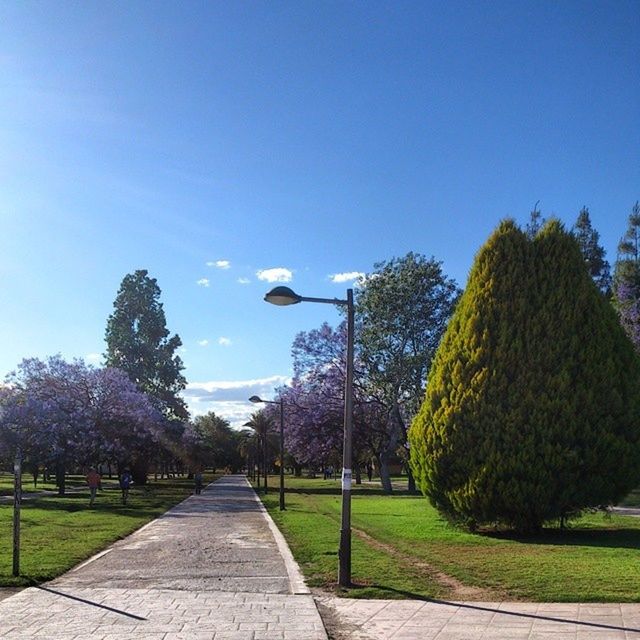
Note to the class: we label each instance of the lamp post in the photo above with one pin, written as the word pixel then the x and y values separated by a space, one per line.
pixel 256 462
pixel 257 399
pixel 283 296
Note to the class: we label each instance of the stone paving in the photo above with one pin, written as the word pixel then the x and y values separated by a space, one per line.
pixel 214 567
pixel 438 620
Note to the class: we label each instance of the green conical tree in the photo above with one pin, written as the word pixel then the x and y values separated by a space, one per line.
pixel 532 407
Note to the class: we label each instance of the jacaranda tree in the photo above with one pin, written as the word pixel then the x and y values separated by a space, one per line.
pixel 532 407
pixel 627 278
pixel 67 413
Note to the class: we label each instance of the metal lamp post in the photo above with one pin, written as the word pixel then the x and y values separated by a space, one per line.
pixel 257 399
pixel 257 462
pixel 283 296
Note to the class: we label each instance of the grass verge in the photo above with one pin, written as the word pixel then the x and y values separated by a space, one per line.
pixel 58 533
pixel 403 549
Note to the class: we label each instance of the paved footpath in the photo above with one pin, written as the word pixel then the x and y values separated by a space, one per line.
pixel 432 620
pixel 214 567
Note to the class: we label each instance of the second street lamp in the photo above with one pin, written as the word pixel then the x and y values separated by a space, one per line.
pixel 256 399
pixel 283 296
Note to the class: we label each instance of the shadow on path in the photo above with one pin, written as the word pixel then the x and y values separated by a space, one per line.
pixel 89 602
pixel 514 614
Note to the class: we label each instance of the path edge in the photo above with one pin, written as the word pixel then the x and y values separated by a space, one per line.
pixel 297 585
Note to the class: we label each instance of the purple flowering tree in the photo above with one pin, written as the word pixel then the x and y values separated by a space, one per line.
pixel 314 403
pixel 67 413
pixel 627 278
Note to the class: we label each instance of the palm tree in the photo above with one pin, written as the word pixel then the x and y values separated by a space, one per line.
pixel 249 449
pixel 261 425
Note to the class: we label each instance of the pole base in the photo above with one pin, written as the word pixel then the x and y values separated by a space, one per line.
pixel 344 558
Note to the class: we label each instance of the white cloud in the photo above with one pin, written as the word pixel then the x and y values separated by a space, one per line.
pixel 244 281
pixel 347 276
pixel 277 274
pixel 225 342
pixel 221 264
pixel 203 282
pixel 93 358
pixel 203 343
pixel 230 399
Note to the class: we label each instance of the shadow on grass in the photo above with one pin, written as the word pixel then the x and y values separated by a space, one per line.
pixel 356 491
pixel 494 610
pixel 615 538
pixel 81 504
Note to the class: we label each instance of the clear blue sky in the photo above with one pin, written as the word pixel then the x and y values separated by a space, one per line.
pixel 316 137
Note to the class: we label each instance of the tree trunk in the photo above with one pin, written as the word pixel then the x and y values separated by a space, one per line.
pixel 139 470
pixel 385 477
pixel 411 481
pixel 358 473
pixel 60 477
pixel 35 470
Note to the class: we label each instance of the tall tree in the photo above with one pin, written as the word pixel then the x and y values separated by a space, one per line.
pixel 138 342
pixel 594 254
pixel 210 441
pixel 535 221
pixel 532 408
pixel 626 281
pixel 402 310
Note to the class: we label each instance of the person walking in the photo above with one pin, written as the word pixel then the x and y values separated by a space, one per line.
pixel 197 479
pixel 125 483
pixel 93 480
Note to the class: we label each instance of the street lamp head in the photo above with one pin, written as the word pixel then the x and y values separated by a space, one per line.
pixel 255 399
pixel 282 296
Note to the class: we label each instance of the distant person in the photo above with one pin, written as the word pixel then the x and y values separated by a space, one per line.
pixel 197 479
pixel 369 471
pixel 125 483
pixel 93 480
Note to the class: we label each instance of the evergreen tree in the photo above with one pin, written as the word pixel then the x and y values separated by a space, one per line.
pixel 594 255
pixel 138 342
pixel 535 221
pixel 627 278
pixel 532 407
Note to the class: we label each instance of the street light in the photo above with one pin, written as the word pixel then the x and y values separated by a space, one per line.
pixel 256 399
pixel 254 462
pixel 283 296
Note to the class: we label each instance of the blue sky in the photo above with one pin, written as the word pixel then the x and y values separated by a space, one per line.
pixel 312 137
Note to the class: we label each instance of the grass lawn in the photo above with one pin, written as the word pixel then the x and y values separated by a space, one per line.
pixel 6 483
pixel 402 548
pixel 58 533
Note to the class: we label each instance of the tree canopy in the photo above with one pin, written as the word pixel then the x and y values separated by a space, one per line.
pixel 532 407
pixel 138 342
pixel 627 278
pixel 402 310
pixel 594 254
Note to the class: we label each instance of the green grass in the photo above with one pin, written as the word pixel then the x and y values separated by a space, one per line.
pixel 595 560
pixel 58 533
pixel 6 483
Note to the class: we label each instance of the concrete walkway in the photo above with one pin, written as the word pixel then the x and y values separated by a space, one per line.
pixel 348 619
pixel 213 567
pixel 216 568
